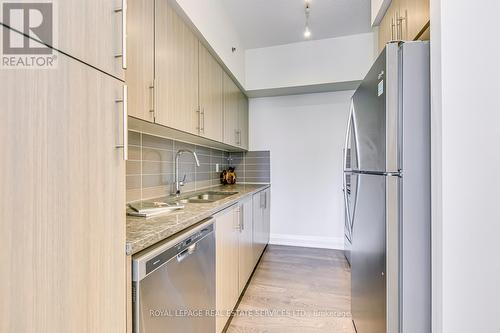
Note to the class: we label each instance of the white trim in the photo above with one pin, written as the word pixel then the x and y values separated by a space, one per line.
pixel 336 243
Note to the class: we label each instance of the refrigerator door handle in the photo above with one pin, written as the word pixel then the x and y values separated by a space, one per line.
pixel 348 215
pixel 355 135
pixel 346 142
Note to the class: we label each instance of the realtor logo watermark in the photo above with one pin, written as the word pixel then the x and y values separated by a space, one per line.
pixel 31 30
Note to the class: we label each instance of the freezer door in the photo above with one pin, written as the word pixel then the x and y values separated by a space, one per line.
pixel 368 256
pixel 375 105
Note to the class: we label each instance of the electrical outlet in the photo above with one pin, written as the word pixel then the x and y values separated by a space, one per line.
pixel 216 167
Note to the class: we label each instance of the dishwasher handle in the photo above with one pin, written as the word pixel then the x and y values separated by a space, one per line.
pixel 186 253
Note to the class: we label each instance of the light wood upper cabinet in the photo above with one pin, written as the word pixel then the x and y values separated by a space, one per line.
pixel 89 30
pixel 418 13
pixel 404 20
pixel 140 51
pixel 62 200
pixel 227 278
pixel 387 28
pixel 175 81
pixel 176 71
pixel 243 121
pixel 246 255
pixel 211 96
pixel 235 115
pixel 231 106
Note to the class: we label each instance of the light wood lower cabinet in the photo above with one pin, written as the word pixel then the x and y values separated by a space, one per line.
pixel 226 272
pixel 237 229
pixel 62 199
pixel 211 96
pixel 261 222
pixel 140 51
pixel 245 248
pixel 176 71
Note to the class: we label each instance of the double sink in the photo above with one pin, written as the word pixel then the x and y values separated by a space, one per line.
pixel 149 208
pixel 205 197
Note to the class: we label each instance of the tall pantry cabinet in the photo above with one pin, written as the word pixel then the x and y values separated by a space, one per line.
pixel 62 181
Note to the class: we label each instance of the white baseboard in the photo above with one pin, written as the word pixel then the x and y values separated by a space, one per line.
pixel 336 243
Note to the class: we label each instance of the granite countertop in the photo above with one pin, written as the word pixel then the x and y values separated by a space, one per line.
pixel 144 232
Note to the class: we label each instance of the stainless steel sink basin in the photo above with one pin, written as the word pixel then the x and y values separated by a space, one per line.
pixel 206 197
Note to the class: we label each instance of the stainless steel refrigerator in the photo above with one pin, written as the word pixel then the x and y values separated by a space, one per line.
pixel 387 193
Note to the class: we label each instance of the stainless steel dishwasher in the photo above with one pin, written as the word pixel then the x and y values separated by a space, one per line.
pixel 174 284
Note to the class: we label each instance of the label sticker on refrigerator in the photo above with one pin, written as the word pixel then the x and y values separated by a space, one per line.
pixel 380 87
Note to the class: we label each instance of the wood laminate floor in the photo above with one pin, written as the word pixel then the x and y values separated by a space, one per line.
pixel 297 290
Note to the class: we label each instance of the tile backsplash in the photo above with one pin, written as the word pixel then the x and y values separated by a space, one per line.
pixel 150 168
pixel 252 166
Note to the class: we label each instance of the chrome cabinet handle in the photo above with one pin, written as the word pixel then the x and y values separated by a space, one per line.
pixel 392 28
pixel 123 55
pixel 242 221
pixel 124 101
pixel 198 111
pixel 152 97
pixel 202 115
pixel 399 25
pixel 403 19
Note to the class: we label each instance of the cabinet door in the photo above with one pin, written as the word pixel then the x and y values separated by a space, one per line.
pixel 246 255
pixel 89 30
pixel 226 250
pixel 140 52
pixel 417 16
pixel 62 200
pixel 258 226
pixel 267 216
pixel 231 106
pixel 176 71
pixel 211 96
pixel 243 121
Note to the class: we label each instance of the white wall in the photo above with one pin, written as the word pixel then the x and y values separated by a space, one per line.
pixel 311 62
pixel 466 165
pixel 211 19
pixel 305 134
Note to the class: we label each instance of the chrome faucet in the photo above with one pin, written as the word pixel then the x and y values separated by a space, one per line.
pixel 179 183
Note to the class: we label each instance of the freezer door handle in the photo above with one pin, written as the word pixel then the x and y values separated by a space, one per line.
pixel 347 213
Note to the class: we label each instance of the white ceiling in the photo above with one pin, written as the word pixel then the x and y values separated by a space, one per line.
pixel 262 23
